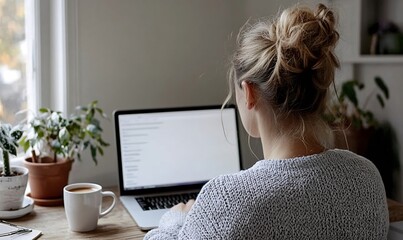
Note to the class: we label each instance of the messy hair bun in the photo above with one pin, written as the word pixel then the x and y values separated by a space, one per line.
pixel 290 60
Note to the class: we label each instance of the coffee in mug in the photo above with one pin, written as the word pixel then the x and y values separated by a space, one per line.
pixel 81 189
pixel 83 203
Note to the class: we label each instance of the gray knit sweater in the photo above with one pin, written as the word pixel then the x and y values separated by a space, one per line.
pixel 333 195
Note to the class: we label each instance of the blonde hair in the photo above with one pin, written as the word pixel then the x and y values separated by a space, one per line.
pixel 291 62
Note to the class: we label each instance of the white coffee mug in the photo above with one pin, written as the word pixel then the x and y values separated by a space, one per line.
pixel 83 205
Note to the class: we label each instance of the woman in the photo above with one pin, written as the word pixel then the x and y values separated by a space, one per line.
pixel 281 72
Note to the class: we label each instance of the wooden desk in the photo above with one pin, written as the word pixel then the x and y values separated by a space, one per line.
pixel 53 223
pixel 116 225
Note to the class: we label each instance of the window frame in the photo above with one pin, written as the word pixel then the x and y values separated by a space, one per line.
pixel 51 35
pixel 53 81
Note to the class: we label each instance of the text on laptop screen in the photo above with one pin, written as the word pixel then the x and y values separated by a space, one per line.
pixel 169 148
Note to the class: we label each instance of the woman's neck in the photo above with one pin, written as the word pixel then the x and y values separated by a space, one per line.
pixel 286 147
pixel 277 146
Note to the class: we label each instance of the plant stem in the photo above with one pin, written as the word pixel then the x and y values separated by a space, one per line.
pixel 6 164
pixel 364 106
pixel 34 157
pixel 55 157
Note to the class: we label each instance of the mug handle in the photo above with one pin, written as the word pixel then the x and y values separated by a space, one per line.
pixel 108 194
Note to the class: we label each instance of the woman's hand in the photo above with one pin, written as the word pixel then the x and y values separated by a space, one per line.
pixel 181 207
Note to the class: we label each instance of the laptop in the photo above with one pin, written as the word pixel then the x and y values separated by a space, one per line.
pixel 165 156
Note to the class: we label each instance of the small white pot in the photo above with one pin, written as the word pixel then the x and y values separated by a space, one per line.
pixel 12 189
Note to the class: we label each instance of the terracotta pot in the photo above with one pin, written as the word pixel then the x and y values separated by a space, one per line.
pixel 47 179
pixel 355 140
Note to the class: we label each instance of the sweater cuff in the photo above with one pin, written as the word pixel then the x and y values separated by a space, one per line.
pixel 172 219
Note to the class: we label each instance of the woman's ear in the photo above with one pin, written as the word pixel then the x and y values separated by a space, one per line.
pixel 250 94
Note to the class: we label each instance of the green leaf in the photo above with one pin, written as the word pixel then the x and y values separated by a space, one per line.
pixel 41 134
pixel 94 153
pixel 95 122
pixel 36 123
pixel 380 100
pixel 369 115
pixel 103 143
pixel 349 91
pixel 64 135
pixel 381 84
pixel 55 144
pixel 101 112
pixel 26 146
pixel 90 115
pixel 12 150
pixel 81 108
pixel 92 128
pixel 16 134
pixel 44 110
pixel 55 118
pixel 100 151
pixel 86 144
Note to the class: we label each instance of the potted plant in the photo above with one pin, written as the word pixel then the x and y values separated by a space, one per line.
pixel 357 129
pixel 353 123
pixel 13 180
pixel 54 142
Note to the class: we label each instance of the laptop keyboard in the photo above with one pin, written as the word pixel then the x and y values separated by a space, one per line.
pixel 163 202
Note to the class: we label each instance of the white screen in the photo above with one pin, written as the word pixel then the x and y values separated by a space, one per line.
pixel 170 148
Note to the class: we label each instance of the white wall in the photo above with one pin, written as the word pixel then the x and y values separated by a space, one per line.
pixel 148 54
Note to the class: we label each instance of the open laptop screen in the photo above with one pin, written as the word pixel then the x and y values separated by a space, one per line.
pixel 171 147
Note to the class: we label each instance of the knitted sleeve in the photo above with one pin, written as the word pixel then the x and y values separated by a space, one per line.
pixel 211 211
pixel 169 226
pixel 202 222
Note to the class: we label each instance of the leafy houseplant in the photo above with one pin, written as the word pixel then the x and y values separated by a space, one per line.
pixel 346 109
pixel 354 124
pixel 361 132
pixel 66 137
pixel 13 181
pixel 55 140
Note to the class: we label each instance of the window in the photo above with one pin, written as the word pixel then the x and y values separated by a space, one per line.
pixel 14 57
pixel 34 63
